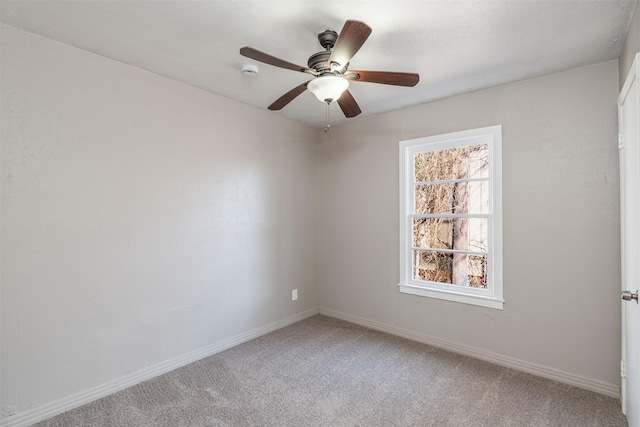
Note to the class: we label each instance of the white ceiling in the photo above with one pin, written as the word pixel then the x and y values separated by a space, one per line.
pixel 455 46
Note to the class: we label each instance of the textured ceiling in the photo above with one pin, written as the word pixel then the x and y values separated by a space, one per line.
pixel 455 46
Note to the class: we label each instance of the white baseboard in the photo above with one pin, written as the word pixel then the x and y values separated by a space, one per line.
pixel 612 390
pixel 75 400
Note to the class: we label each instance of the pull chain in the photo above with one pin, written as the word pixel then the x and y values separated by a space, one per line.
pixel 326 129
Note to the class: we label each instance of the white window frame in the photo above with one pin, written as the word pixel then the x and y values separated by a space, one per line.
pixel 492 295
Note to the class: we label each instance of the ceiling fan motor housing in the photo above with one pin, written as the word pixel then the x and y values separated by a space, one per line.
pixel 318 61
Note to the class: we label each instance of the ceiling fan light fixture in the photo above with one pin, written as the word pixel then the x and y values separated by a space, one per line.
pixel 328 88
pixel 330 69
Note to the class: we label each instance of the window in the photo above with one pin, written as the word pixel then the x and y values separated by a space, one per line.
pixel 451 217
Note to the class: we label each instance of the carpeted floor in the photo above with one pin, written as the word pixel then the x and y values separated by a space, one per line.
pixel 326 372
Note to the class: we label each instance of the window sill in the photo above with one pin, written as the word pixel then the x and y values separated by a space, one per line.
pixel 464 298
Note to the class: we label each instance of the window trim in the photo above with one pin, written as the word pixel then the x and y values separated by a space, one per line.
pixel 491 297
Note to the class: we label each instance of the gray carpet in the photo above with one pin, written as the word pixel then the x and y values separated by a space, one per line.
pixel 326 372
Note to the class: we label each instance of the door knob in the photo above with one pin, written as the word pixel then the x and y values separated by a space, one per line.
pixel 628 296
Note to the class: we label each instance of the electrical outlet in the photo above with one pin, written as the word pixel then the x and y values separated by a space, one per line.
pixel 294 295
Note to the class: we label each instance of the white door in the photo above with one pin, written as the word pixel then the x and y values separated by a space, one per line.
pixel 630 249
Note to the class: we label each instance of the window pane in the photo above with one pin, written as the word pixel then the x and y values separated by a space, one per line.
pixel 464 234
pixel 461 197
pixel 432 266
pixel 452 269
pixel 454 163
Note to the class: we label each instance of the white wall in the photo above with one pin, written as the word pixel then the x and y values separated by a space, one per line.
pixel 561 224
pixel 142 219
pixel 631 46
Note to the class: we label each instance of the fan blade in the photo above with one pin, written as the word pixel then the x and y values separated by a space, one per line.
pixel 281 102
pixel 383 77
pixel 252 53
pixel 350 40
pixel 348 104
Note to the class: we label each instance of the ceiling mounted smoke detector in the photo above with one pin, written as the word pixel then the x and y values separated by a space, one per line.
pixel 249 70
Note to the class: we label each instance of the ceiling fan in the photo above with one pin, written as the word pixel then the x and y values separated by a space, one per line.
pixel 330 69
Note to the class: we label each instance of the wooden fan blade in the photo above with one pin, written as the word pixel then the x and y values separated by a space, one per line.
pixel 383 77
pixel 252 53
pixel 351 38
pixel 348 104
pixel 281 102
